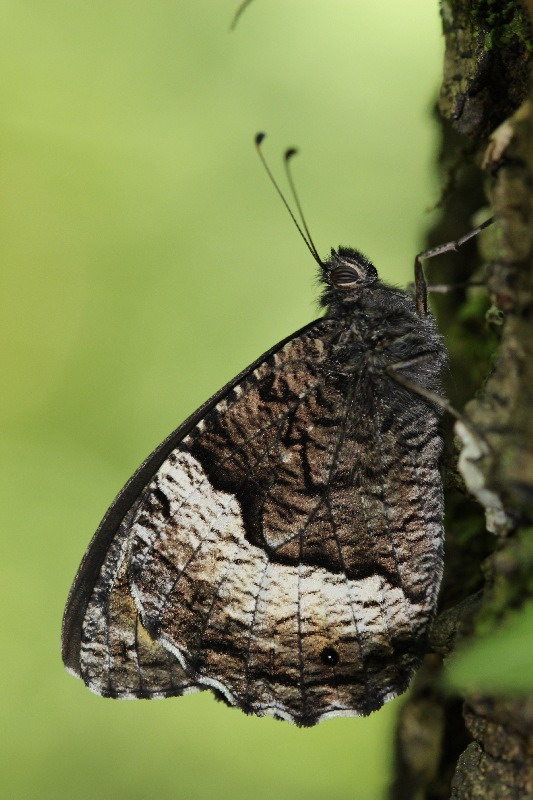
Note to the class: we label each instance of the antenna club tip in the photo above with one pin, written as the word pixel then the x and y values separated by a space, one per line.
pixel 259 137
pixel 290 153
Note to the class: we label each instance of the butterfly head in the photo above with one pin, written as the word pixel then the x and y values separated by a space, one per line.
pixel 346 273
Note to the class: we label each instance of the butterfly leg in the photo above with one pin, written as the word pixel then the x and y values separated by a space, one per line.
pixel 433 397
pixel 444 288
pixel 421 287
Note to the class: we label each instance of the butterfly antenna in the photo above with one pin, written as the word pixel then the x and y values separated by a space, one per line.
pixel 309 243
pixel 289 154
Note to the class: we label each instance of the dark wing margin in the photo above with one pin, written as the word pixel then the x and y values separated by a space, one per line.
pixel 96 552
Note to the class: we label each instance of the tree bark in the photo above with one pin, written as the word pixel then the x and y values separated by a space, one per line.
pixel 479 744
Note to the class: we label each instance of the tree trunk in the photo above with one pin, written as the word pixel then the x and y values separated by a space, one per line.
pixel 477 741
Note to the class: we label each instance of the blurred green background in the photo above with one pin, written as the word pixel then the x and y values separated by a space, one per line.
pixel 145 261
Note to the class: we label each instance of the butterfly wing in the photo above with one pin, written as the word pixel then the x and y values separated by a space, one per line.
pixel 284 546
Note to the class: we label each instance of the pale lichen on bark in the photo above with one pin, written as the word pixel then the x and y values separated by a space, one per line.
pixel 481 745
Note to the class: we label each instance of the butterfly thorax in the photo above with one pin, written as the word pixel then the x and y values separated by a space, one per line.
pixel 378 327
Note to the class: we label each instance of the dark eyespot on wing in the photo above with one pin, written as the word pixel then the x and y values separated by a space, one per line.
pixel 329 656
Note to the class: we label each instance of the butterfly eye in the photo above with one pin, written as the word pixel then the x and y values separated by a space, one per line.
pixel 344 276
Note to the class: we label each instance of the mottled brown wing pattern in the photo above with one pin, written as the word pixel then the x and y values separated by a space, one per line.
pixel 288 550
pixel 118 657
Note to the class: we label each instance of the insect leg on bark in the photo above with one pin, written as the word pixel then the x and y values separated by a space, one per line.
pixel 393 370
pixel 421 287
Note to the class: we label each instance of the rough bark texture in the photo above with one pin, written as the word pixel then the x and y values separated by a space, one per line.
pixel 480 746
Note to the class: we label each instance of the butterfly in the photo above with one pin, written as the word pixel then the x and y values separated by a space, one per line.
pixel 283 546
